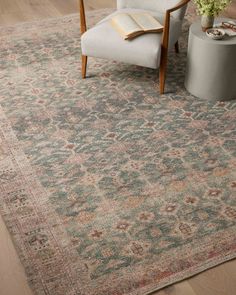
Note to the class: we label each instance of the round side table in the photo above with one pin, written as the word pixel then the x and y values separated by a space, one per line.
pixel 211 65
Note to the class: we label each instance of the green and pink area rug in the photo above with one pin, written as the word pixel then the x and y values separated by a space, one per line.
pixel 108 188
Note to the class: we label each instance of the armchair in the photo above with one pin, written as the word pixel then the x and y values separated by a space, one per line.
pixel 148 50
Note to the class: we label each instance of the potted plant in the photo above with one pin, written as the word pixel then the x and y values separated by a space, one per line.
pixel 208 9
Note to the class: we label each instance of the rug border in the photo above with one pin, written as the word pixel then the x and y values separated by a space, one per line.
pixel 34 189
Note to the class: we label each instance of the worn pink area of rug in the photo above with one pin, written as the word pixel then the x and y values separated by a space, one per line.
pixel 108 188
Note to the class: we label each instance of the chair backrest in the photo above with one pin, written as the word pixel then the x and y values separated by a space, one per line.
pixel 154 5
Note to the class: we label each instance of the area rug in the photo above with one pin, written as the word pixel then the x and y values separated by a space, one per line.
pixel 108 188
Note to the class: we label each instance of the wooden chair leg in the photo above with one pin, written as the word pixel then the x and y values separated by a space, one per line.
pixel 162 70
pixel 177 47
pixel 84 66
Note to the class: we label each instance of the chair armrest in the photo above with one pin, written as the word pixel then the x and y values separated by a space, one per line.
pixel 178 6
pixel 165 38
pixel 83 26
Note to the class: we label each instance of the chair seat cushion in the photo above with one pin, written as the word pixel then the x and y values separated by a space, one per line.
pixel 104 41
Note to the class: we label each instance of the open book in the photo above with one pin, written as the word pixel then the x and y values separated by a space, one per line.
pixel 135 24
pixel 229 31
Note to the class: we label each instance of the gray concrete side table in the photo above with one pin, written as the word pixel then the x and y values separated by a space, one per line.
pixel 211 65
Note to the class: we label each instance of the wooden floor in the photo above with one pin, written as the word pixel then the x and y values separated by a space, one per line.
pixel 220 280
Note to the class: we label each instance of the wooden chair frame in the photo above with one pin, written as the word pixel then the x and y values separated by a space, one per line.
pixel 164 44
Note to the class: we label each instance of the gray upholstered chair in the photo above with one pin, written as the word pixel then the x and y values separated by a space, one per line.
pixel 148 50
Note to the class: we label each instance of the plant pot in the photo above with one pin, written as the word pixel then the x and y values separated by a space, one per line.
pixel 207 22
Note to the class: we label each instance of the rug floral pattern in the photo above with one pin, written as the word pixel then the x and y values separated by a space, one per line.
pixel 120 190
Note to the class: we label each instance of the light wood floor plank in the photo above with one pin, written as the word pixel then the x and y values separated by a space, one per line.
pixel 66 7
pixel 183 288
pixel 220 280
pixel 12 275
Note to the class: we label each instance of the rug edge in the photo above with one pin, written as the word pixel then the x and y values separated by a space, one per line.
pixel 198 271
pixel 18 27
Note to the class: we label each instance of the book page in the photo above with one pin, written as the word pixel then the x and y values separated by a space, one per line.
pixel 147 22
pixel 227 31
pixel 125 24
